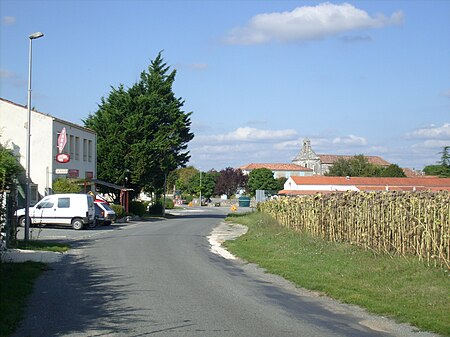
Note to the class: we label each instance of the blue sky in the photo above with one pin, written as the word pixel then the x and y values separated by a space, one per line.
pixel 356 77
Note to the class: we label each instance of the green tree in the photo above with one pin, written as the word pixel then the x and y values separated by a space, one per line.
pixel 443 167
pixel 445 156
pixel 207 184
pixel 359 166
pixel 393 170
pixel 64 185
pixel 142 130
pixel 184 176
pixel 261 179
pixel 10 167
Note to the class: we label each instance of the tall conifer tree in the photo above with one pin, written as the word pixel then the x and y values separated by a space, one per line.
pixel 142 132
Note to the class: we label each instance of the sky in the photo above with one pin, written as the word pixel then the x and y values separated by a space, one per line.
pixel 356 77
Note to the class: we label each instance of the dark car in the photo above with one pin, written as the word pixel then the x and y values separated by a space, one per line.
pixel 104 215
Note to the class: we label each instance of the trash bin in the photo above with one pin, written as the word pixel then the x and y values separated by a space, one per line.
pixel 244 201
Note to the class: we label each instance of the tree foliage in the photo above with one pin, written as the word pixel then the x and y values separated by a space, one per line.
pixel 10 167
pixel 206 185
pixel 229 181
pixel 64 185
pixel 443 167
pixel 359 166
pixel 183 177
pixel 142 129
pixel 262 179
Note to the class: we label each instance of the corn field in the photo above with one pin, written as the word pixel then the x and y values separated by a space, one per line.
pixel 398 223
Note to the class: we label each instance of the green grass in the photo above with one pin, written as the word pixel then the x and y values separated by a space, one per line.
pixel 16 284
pixel 402 288
pixel 42 245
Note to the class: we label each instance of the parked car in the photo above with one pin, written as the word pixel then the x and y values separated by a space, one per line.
pixel 104 214
pixel 76 210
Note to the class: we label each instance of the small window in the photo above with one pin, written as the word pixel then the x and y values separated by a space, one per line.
pixel 64 202
pixel 77 148
pixel 85 150
pixel 46 204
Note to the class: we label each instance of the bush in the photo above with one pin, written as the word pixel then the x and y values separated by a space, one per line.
pixel 188 198
pixel 64 185
pixel 137 208
pixel 119 209
pixel 169 204
pixel 156 208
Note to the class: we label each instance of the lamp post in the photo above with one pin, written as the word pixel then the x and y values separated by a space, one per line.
pixel 33 36
pixel 200 188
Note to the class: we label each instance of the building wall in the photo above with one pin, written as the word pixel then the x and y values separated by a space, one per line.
pixel 44 130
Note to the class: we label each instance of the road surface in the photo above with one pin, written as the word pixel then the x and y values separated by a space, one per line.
pixel 160 278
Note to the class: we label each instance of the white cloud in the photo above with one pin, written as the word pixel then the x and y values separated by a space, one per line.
pixel 8 20
pixel 12 78
pixel 308 23
pixel 197 66
pixel 446 93
pixel 248 134
pixel 350 140
pixel 433 132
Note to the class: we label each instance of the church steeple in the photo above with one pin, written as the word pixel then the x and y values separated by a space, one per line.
pixel 306 153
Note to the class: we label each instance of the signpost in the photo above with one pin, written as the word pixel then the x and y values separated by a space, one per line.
pixel 62 140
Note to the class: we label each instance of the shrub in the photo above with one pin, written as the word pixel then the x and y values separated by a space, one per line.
pixel 137 208
pixel 119 209
pixel 64 185
pixel 169 204
pixel 188 198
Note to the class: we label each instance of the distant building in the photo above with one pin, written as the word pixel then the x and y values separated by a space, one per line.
pixel 45 129
pixel 321 163
pixel 318 184
pixel 279 170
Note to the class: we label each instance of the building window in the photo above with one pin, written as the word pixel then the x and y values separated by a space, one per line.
pixel 77 148
pixel 84 149
pixel 71 146
pixel 90 151
pixel 33 194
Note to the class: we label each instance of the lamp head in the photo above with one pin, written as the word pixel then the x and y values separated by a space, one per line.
pixel 36 35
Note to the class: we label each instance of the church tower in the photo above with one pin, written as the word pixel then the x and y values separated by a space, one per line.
pixel 308 158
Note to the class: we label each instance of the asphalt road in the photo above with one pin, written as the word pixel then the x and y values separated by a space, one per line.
pixel 160 278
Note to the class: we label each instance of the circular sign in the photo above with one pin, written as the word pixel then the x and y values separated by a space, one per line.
pixel 62 158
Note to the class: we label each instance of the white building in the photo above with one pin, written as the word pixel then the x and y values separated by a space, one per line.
pixel 45 129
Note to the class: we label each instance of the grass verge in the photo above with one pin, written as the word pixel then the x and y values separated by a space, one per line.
pixel 402 288
pixel 42 245
pixel 16 284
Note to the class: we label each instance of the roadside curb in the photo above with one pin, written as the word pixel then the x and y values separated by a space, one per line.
pixel 225 231
pixel 20 256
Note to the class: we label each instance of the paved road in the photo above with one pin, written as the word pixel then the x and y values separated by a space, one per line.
pixel 160 278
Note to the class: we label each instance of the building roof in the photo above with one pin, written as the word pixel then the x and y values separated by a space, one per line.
pixel 54 118
pixel 372 181
pixel 331 158
pixel 275 167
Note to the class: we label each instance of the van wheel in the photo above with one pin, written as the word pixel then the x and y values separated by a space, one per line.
pixel 77 224
pixel 21 221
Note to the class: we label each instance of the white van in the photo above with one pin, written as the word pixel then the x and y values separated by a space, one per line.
pixel 76 210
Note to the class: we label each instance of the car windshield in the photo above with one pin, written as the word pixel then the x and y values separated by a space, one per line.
pixel 106 206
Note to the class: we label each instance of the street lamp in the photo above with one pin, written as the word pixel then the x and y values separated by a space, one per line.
pixel 200 187
pixel 33 36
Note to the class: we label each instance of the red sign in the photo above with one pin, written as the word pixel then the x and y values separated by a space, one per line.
pixel 62 158
pixel 62 140
pixel 74 173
